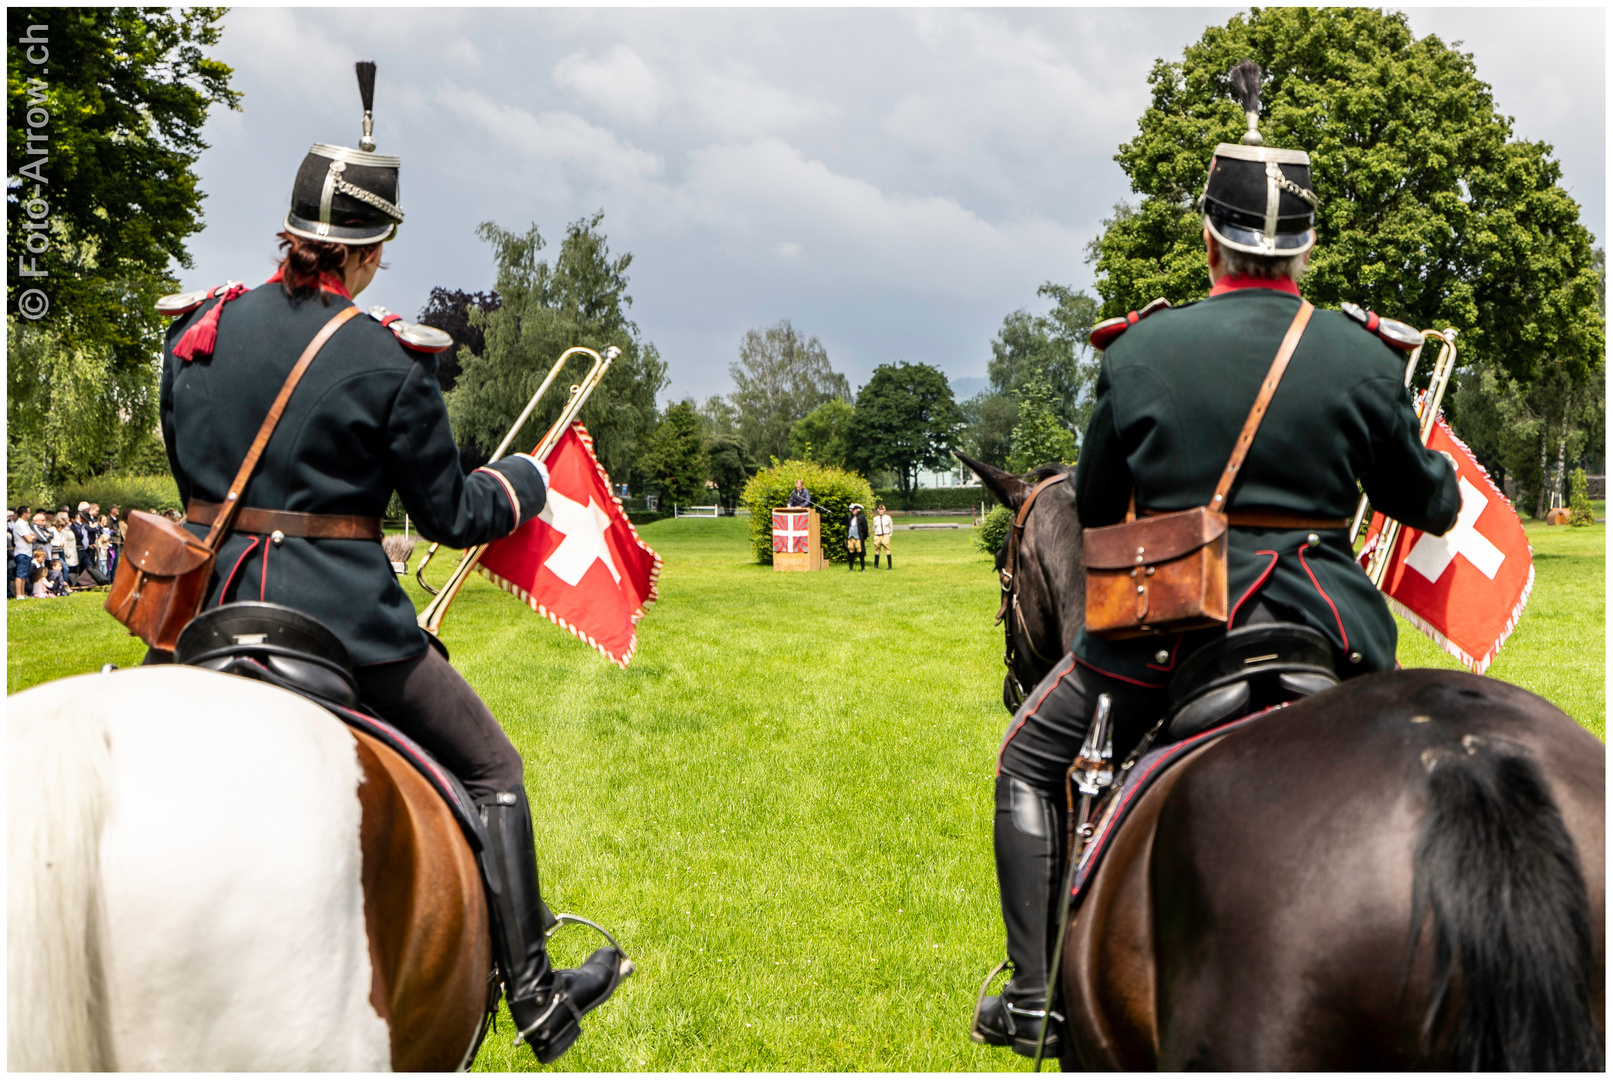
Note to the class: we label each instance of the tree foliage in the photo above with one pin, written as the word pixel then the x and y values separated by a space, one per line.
pixel 988 427
pixel 1431 212
pixel 779 378
pixel 675 458
pixel 449 311
pixel 905 420
pixel 1052 347
pixel 730 466
pixel 834 490
pixel 824 434
pixel 1039 438
pixel 545 309
pixel 99 203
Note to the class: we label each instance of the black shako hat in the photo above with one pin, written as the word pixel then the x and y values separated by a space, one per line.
pixel 347 196
pixel 1258 199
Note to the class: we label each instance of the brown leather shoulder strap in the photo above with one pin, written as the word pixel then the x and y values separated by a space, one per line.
pixel 1284 353
pixel 232 500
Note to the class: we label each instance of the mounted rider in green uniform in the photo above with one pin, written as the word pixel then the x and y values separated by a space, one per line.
pixel 366 420
pixel 1174 388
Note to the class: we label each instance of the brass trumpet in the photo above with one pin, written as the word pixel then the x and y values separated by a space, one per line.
pixel 1427 412
pixel 430 619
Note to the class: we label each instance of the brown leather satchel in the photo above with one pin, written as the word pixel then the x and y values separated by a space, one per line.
pixel 1168 573
pixel 163 576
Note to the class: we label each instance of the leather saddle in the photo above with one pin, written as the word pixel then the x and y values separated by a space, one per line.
pixel 1251 669
pixel 287 648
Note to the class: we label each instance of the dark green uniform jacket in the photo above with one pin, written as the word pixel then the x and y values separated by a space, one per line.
pixel 1172 395
pixel 367 419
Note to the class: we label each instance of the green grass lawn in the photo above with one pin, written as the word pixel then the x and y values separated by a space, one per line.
pixel 783 807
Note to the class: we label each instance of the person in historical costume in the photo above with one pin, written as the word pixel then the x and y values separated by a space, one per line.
pixel 882 535
pixel 366 420
pixel 1175 386
pixel 856 538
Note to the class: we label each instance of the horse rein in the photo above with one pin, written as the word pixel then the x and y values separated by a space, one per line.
pixel 1010 598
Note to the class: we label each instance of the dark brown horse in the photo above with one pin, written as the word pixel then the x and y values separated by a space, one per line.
pixel 1044 589
pixel 1403 872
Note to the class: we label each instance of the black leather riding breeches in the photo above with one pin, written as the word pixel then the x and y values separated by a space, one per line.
pixel 426 699
pixel 1046 733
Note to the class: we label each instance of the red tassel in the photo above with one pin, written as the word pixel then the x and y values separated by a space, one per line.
pixel 204 335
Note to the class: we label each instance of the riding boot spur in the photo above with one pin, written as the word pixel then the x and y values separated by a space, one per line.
pixel 1026 834
pixel 546 1003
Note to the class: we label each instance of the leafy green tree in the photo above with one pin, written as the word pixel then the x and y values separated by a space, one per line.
pixel 1431 212
pixel 718 417
pixel 990 534
pixel 989 418
pixel 675 458
pixel 824 434
pixel 905 420
pixel 1053 347
pixel 105 108
pixel 730 467
pixel 545 309
pixel 449 311
pixel 1039 438
pixel 779 378
pixel 1580 510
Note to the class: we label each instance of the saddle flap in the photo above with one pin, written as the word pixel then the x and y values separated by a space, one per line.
pixel 161 548
pixel 1151 540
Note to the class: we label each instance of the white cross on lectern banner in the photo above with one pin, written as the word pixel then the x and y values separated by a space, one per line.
pixel 1466 589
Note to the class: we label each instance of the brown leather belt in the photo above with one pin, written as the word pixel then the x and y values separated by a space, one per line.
pixel 1267 519
pixel 290 522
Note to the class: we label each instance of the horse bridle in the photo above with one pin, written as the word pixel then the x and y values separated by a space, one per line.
pixel 1010 600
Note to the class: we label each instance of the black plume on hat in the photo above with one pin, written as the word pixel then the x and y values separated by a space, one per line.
pixel 366 91
pixel 1246 81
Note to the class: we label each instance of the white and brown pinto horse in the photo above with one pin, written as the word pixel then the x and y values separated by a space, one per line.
pixel 210 873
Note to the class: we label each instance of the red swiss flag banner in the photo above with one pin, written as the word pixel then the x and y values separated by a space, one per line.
pixel 580 562
pixel 1466 589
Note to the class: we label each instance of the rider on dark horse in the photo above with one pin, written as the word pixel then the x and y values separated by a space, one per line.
pixel 1171 395
pixel 366 420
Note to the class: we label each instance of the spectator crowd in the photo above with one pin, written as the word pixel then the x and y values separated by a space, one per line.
pixel 55 555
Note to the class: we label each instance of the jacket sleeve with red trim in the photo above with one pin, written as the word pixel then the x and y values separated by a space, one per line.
pixel 447 506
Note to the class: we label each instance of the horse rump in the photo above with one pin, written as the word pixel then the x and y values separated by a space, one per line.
pixel 1497 876
pixel 58 782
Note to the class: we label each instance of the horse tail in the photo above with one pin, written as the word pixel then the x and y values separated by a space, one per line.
pixel 59 781
pixel 1497 871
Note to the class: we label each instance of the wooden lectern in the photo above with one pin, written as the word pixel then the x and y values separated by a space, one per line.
pixel 797 540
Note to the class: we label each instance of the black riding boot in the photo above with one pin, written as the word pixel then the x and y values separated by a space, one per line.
pixel 862 561
pixel 545 1003
pixel 1029 848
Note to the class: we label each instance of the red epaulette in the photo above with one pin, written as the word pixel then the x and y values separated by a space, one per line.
pixel 416 336
pixel 1103 335
pixel 186 302
pixel 1396 334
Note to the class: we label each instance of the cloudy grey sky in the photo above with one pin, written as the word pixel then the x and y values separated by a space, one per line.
pixel 894 181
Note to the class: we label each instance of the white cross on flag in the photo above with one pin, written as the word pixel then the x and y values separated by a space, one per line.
pixel 791 531
pixel 580 562
pixel 1466 589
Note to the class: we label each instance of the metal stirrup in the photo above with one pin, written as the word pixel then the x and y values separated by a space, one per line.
pixel 560 997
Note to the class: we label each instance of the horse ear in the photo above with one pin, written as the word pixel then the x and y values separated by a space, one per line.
pixel 1005 487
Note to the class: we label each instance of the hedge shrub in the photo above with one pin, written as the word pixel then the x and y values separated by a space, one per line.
pixel 990 533
pixel 932 498
pixel 834 490
pixel 127 492
pixel 1580 510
